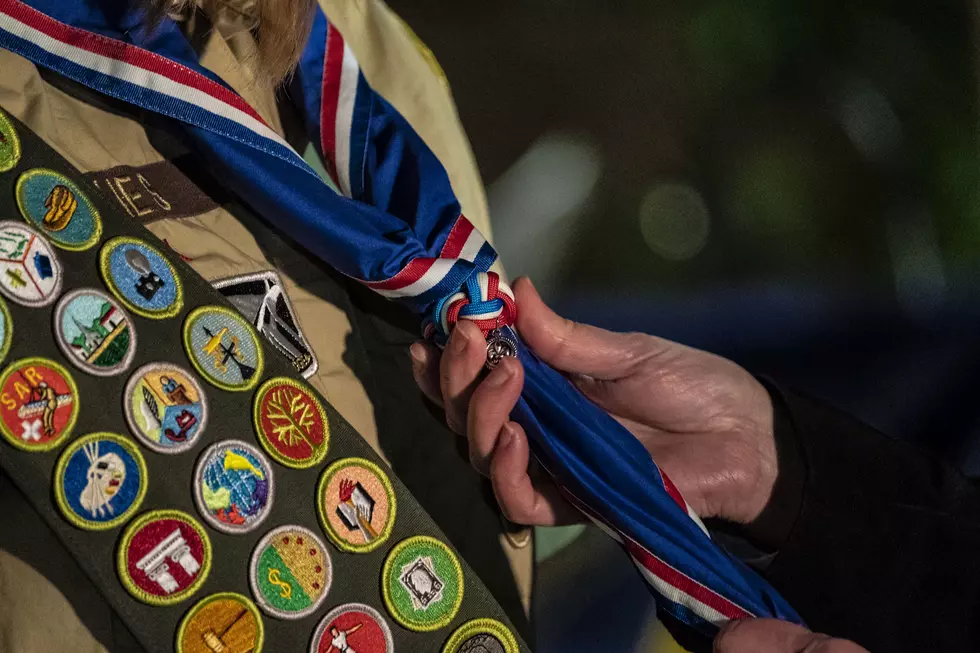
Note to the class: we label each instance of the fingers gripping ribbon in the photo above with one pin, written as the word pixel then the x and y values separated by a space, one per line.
pixel 484 300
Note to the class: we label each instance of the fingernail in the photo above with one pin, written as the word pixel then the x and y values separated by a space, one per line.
pixel 501 375
pixel 419 355
pixel 458 340
pixel 507 436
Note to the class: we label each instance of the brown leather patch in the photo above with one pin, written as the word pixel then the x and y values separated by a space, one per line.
pixel 153 192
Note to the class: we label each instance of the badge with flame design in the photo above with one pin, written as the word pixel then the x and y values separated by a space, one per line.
pixel 356 504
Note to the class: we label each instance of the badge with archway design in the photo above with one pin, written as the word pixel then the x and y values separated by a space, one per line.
pixel 164 557
pixel 290 572
pixel 51 202
pixel 224 348
pixel 39 404
pixel 165 407
pixel 234 486
pixel 422 584
pixel 291 423
pixel 141 277
pixel 226 622
pixel 352 627
pixel 357 505
pixel 30 272
pixel 9 144
pixel 100 480
pixel 94 332
pixel 481 636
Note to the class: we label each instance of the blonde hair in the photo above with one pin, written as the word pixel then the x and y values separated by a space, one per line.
pixel 281 28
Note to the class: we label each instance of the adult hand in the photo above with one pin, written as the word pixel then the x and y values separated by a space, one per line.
pixel 706 421
pixel 773 636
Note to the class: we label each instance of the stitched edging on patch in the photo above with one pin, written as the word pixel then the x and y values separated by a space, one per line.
pixel 79 194
pixel 58 270
pixel 253 568
pixel 259 356
pixel 263 437
pixel 15 159
pixel 59 487
pixel 480 626
pixel 202 508
pixel 8 331
pixel 110 282
pixel 137 432
pixel 335 539
pixel 350 607
pixel 386 585
pixel 59 336
pixel 16 365
pixel 122 569
pixel 222 596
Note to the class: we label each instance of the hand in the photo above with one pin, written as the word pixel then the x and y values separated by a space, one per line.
pixel 705 420
pixel 773 636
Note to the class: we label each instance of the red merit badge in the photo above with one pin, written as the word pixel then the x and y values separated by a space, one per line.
pixel 352 627
pixel 38 404
pixel 291 423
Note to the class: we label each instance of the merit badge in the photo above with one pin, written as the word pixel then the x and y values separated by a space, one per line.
pixel 141 277
pixel 352 628
pixel 30 273
pixel 38 404
pixel 422 583
pixel 482 636
pixel 291 423
pixel 261 298
pixel 9 144
pixel 6 330
pixel 225 622
pixel 164 557
pixel 223 347
pixel 94 332
pixel 290 572
pixel 356 504
pixel 233 486
pixel 51 202
pixel 165 407
pixel 100 481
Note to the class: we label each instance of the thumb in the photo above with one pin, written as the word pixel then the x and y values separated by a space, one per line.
pixel 774 636
pixel 571 346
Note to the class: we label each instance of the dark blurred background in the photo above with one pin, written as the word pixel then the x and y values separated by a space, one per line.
pixel 794 184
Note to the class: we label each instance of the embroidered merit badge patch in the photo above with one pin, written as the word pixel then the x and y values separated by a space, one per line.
pixel 422 583
pixel 141 277
pixel 94 332
pixel 164 557
pixel 352 628
pixel 38 404
pixel 100 481
pixel 30 272
pixel 356 504
pixel 233 486
pixel 223 347
pixel 51 202
pixel 9 144
pixel 262 299
pixel 482 636
pixel 225 622
pixel 290 423
pixel 6 330
pixel 165 407
pixel 290 572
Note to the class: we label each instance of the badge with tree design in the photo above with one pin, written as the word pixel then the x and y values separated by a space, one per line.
pixel 291 423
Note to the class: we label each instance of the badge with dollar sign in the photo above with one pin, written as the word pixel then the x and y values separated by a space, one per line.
pixel 290 572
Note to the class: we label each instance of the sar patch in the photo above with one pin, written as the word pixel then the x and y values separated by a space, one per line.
pixel 261 298
pixel 30 272
pixel 100 480
pixel 94 332
pixel 290 423
pixel 226 622
pixel 9 144
pixel 223 347
pixel 165 407
pixel 422 583
pixel 141 277
pixel 290 572
pixel 482 636
pixel 233 486
pixel 352 628
pixel 356 504
pixel 38 404
pixel 51 202
pixel 164 557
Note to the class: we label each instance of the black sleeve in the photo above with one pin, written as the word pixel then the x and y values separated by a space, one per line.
pixel 877 541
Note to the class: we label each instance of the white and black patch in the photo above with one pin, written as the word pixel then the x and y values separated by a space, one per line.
pixel 262 299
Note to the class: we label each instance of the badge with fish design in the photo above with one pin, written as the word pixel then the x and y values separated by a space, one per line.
pixel 290 572
pixel 233 486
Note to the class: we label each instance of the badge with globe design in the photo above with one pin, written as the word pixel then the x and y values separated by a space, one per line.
pixel 233 486
pixel 422 584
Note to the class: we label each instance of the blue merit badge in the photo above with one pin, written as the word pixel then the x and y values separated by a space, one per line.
pixel 233 485
pixel 51 202
pixel 141 277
